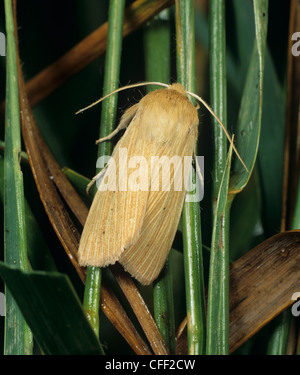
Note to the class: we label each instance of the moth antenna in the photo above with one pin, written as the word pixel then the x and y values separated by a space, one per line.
pixel 222 125
pixel 166 85
pixel 121 89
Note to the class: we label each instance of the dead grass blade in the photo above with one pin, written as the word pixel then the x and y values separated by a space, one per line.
pixel 89 49
pixel 141 310
pixel 118 317
pixel 58 215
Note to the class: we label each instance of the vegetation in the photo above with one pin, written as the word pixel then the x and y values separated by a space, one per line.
pixel 228 282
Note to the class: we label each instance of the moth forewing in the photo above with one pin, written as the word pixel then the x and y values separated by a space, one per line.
pixel 116 215
pixel 137 228
pixel 145 258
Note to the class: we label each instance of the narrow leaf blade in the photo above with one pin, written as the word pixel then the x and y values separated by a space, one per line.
pixel 218 288
pixel 52 310
pixel 249 121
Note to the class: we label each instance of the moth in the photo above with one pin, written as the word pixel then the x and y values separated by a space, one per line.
pixel 135 224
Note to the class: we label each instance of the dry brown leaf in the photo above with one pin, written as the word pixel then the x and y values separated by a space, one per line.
pixel 261 286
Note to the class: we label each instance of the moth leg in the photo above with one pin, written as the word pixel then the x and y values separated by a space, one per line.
pixel 110 136
pixel 95 178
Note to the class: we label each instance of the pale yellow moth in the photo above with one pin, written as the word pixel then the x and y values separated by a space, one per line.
pixel 136 226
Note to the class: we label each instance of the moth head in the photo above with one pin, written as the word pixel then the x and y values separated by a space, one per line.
pixel 178 87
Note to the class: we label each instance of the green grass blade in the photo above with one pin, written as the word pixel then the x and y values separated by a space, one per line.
pixel 35 240
pixel 248 127
pixel 218 322
pixel 157 41
pixel 271 148
pixel 163 304
pixel 218 88
pixel 250 114
pixel 108 117
pixel 279 335
pixel 218 288
pixel 194 279
pixel 296 216
pixel 18 338
pixel 185 46
pixel 91 297
pixel 191 221
pixel 157 63
pixel 112 72
pixel 53 311
pixel 247 141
